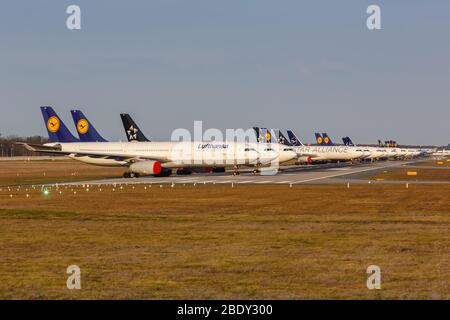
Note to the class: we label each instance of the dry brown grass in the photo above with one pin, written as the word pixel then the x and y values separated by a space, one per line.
pixel 214 241
pixel 426 171
pixel 434 163
pixel 34 172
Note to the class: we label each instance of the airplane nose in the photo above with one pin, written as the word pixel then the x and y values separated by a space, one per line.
pixel 268 156
pixel 252 157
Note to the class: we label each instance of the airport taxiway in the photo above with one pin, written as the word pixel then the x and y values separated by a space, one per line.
pixel 317 174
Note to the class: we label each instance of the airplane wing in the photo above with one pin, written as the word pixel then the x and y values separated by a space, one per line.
pixel 57 150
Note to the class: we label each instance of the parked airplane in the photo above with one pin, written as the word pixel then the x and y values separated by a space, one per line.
pixel 134 133
pixel 441 153
pixel 371 153
pixel 157 158
pixel 323 153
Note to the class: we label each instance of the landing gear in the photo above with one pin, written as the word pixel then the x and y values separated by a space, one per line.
pixel 184 172
pixel 128 175
pixel 236 171
pixel 165 172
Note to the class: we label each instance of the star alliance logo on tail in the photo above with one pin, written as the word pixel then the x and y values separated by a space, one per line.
pixel 132 133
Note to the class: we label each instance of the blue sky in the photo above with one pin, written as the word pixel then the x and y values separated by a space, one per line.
pixel 306 65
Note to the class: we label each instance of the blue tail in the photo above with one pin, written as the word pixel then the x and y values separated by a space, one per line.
pixel 86 130
pixel 282 139
pixel 57 130
pixel 293 138
pixel 319 139
pixel 326 140
pixel 347 141
pixel 263 135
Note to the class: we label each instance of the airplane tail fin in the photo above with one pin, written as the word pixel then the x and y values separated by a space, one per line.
pixel 131 129
pixel 347 141
pixel 319 139
pixel 293 138
pixel 85 129
pixel 326 140
pixel 350 142
pixel 57 130
pixel 263 135
pixel 257 133
pixel 282 139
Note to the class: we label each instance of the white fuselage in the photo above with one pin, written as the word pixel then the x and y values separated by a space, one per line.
pixel 374 152
pixel 441 153
pixel 329 153
pixel 176 154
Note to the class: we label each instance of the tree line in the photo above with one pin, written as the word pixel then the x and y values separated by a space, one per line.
pixel 9 149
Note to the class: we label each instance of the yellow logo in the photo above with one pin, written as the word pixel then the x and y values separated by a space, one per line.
pixel 268 136
pixel 319 140
pixel 82 126
pixel 327 140
pixel 53 124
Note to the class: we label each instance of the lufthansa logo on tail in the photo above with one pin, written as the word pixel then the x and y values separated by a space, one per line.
pixel 268 137
pixel 83 126
pixel 319 140
pixel 53 124
pixel 327 140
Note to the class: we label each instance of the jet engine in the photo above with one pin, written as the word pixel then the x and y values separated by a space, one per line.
pixel 146 167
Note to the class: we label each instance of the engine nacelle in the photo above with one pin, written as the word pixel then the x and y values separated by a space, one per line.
pixel 146 167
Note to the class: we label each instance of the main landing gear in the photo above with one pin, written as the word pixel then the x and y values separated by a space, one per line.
pixel 236 171
pixel 184 172
pixel 128 175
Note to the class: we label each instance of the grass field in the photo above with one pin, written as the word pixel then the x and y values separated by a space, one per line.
pixel 214 241
pixel 47 171
pixel 439 163
pixel 425 171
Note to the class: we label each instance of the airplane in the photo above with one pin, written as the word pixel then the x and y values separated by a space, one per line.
pixel 274 137
pixel 373 153
pixel 134 133
pixel 367 151
pixel 441 153
pixel 156 158
pixel 320 153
